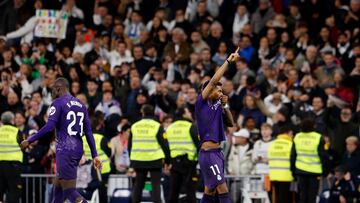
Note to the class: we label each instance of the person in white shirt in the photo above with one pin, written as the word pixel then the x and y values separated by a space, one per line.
pixel 26 32
pixel 134 27
pixel 241 18
pixel 99 13
pixel 120 55
pixel 274 102
pixel 119 149
pixel 81 46
pixel 71 8
pixel 260 151
pixel 239 160
pixel 157 74
pixel 160 14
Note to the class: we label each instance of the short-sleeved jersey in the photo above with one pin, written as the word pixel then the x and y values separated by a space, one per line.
pixel 72 119
pixel 209 120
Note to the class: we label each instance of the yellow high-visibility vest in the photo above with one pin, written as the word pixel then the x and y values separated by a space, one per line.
pixel 102 156
pixel 180 141
pixel 145 146
pixel 9 147
pixel 279 159
pixel 307 157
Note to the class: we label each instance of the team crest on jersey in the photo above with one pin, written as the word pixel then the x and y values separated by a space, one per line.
pixel 214 106
pixel 52 110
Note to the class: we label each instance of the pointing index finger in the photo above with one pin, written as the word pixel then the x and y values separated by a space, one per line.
pixel 237 50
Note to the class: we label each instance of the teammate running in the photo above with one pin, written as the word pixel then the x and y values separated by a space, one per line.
pixel 71 120
pixel 210 107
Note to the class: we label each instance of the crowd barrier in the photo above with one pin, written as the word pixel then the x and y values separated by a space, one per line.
pixel 38 187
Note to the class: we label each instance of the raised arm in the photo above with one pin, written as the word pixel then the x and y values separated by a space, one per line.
pixel 218 74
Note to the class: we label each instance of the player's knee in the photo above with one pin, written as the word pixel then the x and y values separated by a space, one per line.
pixel 80 200
pixel 209 191
pixel 222 189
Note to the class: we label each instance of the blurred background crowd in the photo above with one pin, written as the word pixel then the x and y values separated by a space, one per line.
pixel 299 59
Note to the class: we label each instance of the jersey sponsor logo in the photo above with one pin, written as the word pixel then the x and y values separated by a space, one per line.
pixel 52 110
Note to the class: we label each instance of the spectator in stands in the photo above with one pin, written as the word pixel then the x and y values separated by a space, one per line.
pixel 119 151
pixel 325 74
pixel 92 95
pixel 239 158
pixel 178 48
pixel 108 105
pixel 274 102
pixel 260 152
pixel 220 56
pixel 262 15
pixel 342 188
pixel 241 18
pixel 250 109
pixel 339 128
pixel 351 158
pixel 134 26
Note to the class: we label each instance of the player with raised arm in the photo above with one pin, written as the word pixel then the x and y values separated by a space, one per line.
pixel 210 107
pixel 71 120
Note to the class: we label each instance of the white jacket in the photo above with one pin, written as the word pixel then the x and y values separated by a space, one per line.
pixel 239 160
pixel 260 150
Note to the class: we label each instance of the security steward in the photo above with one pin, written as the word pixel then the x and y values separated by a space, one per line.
pixel 307 161
pixel 11 158
pixel 280 167
pixel 184 145
pixel 103 149
pixel 148 150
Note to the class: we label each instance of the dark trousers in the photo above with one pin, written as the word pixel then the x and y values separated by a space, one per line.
pixel 308 188
pixel 155 177
pixel 281 192
pixel 184 177
pixel 10 181
pixel 103 188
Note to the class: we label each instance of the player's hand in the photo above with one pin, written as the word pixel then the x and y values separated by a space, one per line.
pixel 24 144
pixel 224 100
pixel 97 163
pixel 234 55
pixel 167 168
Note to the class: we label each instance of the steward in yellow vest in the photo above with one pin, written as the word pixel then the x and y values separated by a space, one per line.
pixel 11 158
pixel 307 159
pixel 149 149
pixel 100 143
pixel 184 145
pixel 103 149
pixel 280 166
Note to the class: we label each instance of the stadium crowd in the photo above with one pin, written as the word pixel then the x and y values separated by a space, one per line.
pixel 298 59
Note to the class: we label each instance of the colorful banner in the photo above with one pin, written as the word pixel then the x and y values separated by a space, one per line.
pixel 51 23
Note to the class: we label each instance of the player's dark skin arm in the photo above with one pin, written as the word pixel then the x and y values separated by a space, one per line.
pixel 195 137
pixel 217 76
pixel 229 120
